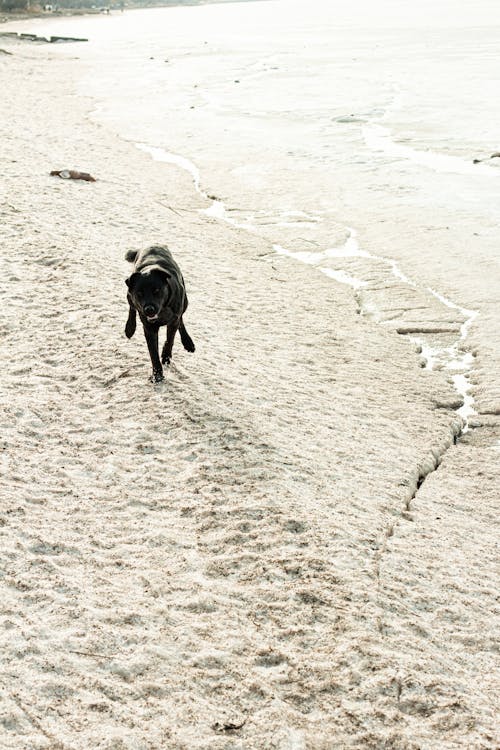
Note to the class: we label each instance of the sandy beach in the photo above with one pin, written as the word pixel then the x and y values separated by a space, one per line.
pixel 290 543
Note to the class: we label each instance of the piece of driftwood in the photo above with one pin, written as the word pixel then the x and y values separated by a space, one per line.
pixel 496 155
pixel 72 174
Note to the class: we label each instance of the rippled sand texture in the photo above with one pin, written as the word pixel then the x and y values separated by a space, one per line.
pixel 291 543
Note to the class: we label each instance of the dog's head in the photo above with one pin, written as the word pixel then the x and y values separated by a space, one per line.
pixel 150 291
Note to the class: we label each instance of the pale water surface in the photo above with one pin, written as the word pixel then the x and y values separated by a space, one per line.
pixel 278 101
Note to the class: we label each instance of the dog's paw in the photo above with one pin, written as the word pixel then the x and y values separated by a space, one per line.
pixel 166 355
pixel 157 377
pixel 130 329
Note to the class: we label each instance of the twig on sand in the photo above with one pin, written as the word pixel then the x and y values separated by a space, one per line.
pixel 311 242
pixel 113 379
pixel 91 653
pixel 165 205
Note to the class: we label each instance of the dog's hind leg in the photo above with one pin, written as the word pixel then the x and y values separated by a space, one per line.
pixel 151 335
pixel 166 354
pixel 187 341
pixel 131 322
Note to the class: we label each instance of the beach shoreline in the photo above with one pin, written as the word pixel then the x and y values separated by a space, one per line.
pixel 22 15
pixel 258 553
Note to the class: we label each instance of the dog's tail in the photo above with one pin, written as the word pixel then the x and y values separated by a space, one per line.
pixel 131 255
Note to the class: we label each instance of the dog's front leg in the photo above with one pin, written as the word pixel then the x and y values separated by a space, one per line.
pixel 151 335
pixel 166 354
pixel 131 322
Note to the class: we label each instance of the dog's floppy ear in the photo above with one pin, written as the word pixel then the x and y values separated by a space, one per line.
pixel 132 280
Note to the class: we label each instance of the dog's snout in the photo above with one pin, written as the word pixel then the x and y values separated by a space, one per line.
pixel 150 310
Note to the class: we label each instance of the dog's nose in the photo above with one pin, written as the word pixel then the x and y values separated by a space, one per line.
pixel 149 310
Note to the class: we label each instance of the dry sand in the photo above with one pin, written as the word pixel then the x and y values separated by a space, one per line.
pixel 240 558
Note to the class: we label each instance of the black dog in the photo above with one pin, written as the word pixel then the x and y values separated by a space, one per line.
pixel 156 291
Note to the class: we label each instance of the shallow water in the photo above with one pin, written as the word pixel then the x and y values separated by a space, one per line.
pixel 314 86
pixel 287 108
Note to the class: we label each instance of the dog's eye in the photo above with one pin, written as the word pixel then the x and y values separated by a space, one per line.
pixel 156 291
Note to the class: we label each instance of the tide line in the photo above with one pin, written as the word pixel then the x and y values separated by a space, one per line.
pixel 378 137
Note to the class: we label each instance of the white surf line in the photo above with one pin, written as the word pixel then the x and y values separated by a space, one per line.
pixel 313 259
pixel 379 138
pixel 159 154
pixel 350 249
pixel 217 209
pixel 451 356
pixel 458 360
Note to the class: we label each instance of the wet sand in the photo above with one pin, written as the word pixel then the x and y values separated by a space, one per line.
pixel 260 552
